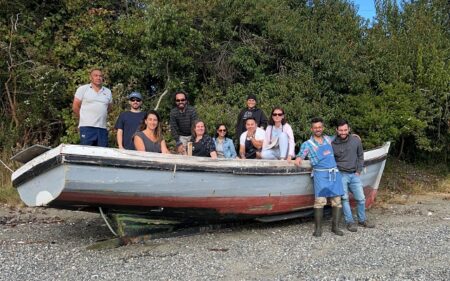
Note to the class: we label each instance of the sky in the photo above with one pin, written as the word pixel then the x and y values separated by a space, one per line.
pixel 366 8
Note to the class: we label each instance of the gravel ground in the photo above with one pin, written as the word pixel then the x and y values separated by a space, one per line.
pixel 410 242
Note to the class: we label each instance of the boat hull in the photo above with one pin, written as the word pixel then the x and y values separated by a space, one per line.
pixel 174 186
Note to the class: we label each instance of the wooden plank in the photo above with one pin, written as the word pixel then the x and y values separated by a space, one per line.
pixel 140 224
pixel 30 153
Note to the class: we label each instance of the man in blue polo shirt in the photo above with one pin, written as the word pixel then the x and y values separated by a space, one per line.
pixel 91 105
pixel 128 122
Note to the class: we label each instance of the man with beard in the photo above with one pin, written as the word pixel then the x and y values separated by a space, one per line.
pixel 326 177
pixel 349 155
pixel 91 105
pixel 182 117
pixel 128 122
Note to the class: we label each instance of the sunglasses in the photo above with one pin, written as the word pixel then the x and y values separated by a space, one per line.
pixel 180 100
pixel 222 130
pixel 133 99
pixel 277 114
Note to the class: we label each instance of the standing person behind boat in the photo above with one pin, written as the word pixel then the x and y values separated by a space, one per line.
pixel 349 155
pixel 251 111
pixel 202 144
pixel 326 177
pixel 182 117
pixel 149 138
pixel 91 105
pixel 279 141
pixel 224 145
pixel 251 140
pixel 128 122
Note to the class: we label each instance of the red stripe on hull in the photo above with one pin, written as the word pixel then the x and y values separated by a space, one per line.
pixel 370 195
pixel 263 205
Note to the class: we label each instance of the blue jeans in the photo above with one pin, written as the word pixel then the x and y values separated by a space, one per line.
pixel 352 183
pixel 281 150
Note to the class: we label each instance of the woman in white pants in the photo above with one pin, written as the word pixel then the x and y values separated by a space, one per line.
pixel 279 140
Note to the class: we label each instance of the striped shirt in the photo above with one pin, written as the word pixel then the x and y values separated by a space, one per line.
pixel 181 122
pixel 307 149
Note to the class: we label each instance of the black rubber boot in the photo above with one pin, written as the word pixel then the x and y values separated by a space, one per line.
pixel 335 217
pixel 318 215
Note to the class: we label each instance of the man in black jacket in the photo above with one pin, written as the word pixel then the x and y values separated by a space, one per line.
pixel 349 155
pixel 250 111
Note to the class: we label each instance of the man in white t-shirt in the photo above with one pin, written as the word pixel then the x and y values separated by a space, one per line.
pixel 91 105
pixel 250 142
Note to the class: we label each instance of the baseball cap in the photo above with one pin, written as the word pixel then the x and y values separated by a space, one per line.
pixel 135 95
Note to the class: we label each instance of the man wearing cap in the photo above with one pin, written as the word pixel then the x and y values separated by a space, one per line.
pixel 128 122
pixel 91 105
pixel 182 117
pixel 250 111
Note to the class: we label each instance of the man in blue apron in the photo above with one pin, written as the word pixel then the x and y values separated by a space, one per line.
pixel 326 177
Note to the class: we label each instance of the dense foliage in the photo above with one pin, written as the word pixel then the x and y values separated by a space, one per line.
pixel 389 77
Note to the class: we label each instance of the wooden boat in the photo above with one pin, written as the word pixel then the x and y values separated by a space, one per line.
pixel 175 186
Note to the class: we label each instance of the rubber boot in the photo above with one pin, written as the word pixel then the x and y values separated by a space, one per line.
pixel 335 217
pixel 318 215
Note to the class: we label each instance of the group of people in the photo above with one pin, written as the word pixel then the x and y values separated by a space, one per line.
pixel 337 161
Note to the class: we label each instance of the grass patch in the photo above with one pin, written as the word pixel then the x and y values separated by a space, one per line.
pixel 401 179
pixel 8 194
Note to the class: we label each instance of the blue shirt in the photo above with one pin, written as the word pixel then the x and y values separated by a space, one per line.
pixel 228 148
pixel 129 122
pixel 307 149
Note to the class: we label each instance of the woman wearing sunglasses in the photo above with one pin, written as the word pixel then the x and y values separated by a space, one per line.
pixel 279 140
pixel 224 145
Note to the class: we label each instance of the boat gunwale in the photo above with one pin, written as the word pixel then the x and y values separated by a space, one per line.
pixel 110 162
pixel 192 166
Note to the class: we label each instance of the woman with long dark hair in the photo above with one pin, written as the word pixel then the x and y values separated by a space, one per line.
pixel 149 138
pixel 279 140
pixel 224 145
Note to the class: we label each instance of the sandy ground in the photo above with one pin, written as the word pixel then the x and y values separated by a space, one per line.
pixel 411 241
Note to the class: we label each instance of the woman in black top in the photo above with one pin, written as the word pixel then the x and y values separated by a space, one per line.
pixel 149 138
pixel 202 144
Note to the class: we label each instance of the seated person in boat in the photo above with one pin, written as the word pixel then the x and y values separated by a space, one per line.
pixel 250 142
pixel 224 145
pixel 149 138
pixel 279 140
pixel 202 144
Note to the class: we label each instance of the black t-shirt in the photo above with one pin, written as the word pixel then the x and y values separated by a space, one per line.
pixel 203 147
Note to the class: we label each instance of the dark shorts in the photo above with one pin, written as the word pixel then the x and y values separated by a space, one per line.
pixel 93 136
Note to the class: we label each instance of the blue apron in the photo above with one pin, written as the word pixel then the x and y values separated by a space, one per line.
pixel 327 179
